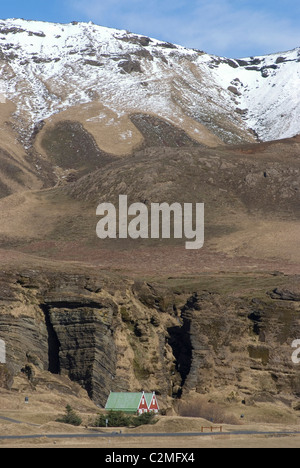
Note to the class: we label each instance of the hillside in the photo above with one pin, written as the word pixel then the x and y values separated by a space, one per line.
pixel 251 219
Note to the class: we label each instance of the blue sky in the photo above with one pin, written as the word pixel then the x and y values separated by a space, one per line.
pixel 232 28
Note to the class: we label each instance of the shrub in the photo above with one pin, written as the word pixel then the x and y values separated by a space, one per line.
pixel 70 417
pixel 100 421
pixel 114 418
pixel 200 408
pixel 144 419
pixel 119 419
pixel 6 377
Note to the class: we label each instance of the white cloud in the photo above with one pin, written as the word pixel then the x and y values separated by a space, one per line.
pixel 223 27
pixel 226 29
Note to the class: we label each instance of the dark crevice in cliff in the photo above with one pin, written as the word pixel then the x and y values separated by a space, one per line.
pixel 53 343
pixel 180 342
pixel 255 317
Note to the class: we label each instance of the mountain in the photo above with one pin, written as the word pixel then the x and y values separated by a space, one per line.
pixel 101 77
pixel 89 113
pixel 49 68
pixel 86 108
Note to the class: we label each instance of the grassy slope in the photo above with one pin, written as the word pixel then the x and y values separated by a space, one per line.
pixel 250 194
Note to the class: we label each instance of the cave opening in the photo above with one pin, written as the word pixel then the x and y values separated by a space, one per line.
pixel 180 342
pixel 256 318
pixel 53 343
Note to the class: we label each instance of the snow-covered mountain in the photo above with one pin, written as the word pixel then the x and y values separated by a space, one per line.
pixel 267 91
pixel 48 68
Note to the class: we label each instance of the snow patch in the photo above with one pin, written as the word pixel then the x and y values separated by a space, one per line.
pixel 47 68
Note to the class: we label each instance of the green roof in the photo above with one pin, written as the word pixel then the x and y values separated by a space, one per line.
pixel 127 402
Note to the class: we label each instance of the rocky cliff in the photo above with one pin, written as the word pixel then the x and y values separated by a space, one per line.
pixel 91 329
pixel 242 344
pixel 210 334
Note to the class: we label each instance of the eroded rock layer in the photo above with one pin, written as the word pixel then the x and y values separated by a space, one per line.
pixel 204 334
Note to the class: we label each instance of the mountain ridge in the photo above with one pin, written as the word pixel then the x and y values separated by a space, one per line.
pixel 50 68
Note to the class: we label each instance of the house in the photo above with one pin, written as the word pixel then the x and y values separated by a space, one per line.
pixel 132 402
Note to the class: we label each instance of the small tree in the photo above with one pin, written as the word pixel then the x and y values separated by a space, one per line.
pixel 114 419
pixel 100 421
pixel 70 417
pixel 118 419
pixel 144 419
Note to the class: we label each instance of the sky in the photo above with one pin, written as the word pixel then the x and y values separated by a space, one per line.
pixel 231 28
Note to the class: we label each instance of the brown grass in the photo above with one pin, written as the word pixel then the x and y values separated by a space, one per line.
pixel 201 408
pixel 46 405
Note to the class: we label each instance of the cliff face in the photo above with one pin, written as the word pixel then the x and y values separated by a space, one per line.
pixel 113 334
pixel 242 345
pixel 74 325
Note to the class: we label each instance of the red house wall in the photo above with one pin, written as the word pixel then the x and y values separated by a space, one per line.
pixel 143 407
pixel 154 405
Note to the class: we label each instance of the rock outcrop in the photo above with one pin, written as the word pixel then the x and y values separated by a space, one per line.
pixel 241 345
pixel 114 334
pixel 73 324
